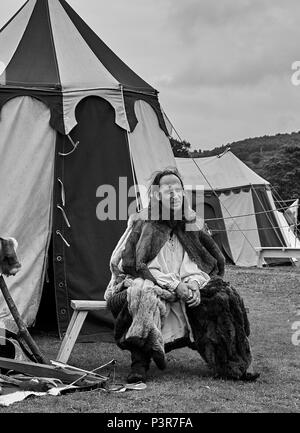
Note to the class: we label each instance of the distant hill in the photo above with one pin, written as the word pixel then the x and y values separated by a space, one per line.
pixel 255 152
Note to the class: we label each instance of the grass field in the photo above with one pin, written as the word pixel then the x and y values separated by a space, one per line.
pixel 273 298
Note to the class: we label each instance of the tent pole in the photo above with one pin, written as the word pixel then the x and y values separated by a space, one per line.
pixel 23 332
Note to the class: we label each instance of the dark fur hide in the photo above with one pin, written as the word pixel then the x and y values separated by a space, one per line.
pixel 220 327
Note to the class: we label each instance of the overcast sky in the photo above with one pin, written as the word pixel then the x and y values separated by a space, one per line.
pixel 223 68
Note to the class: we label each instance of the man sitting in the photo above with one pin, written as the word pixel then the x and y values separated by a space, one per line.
pixel 167 290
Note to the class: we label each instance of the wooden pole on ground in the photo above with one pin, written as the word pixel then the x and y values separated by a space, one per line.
pixel 23 332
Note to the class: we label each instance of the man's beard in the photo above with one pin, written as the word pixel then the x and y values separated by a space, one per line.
pixel 170 216
pixel 166 214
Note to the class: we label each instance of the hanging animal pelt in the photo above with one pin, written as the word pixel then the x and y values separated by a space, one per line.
pixel 9 263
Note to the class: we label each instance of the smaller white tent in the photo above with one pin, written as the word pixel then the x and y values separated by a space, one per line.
pixel 238 206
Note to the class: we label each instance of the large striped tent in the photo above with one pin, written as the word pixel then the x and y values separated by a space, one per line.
pixel 239 208
pixel 76 125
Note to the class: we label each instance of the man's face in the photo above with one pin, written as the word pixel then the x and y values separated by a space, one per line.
pixel 171 192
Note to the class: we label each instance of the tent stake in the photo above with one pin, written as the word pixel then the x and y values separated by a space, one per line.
pixel 23 332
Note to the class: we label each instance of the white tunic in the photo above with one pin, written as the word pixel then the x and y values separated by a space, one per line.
pixel 171 266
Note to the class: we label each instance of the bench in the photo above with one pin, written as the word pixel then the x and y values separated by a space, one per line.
pixel 276 252
pixel 81 309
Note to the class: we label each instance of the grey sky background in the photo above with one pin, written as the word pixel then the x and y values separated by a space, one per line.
pixel 223 68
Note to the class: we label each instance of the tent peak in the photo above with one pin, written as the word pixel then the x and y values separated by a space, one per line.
pixel 37 47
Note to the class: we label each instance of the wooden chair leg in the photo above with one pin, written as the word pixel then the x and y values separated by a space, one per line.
pixel 72 333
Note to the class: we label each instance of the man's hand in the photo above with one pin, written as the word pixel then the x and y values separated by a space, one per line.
pixel 193 285
pixel 189 293
pixel 194 298
pixel 182 291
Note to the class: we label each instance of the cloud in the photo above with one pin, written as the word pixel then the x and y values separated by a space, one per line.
pixel 191 15
pixel 234 42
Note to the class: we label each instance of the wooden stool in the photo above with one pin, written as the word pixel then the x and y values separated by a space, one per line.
pixel 81 309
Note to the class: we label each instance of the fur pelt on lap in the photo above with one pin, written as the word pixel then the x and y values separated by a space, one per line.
pixel 219 324
pixel 140 324
pixel 148 312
